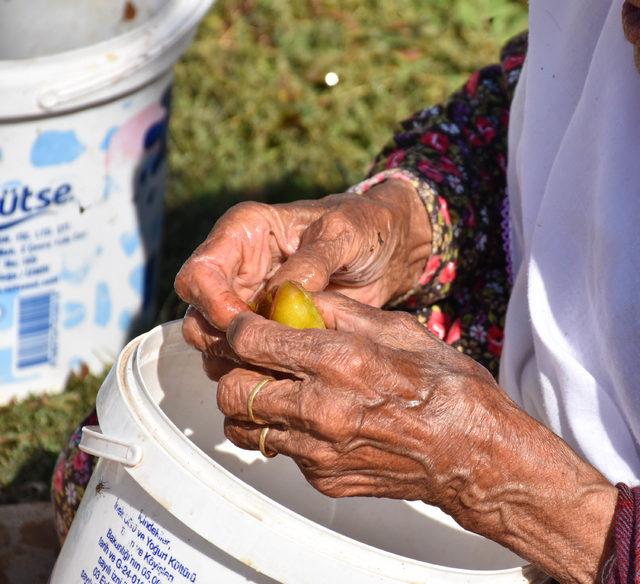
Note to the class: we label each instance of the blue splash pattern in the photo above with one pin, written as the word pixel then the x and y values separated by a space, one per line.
pixel 103 304
pixel 75 276
pixel 74 314
pixel 56 147
pixel 136 279
pixel 124 322
pixel 106 141
pixel 130 242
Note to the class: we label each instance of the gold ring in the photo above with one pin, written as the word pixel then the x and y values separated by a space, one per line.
pixel 262 446
pixel 258 386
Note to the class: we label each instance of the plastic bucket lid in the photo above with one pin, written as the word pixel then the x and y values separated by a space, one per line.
pixel 158 416
pixel 78 78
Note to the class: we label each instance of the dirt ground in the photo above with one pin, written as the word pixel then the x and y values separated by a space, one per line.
pixel 28 543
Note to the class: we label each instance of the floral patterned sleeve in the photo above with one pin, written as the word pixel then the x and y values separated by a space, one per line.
pixel 455 156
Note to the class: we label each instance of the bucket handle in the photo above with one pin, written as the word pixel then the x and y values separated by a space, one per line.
pixel 94 442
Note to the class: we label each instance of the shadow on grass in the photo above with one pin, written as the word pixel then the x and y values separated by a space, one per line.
pixel 32 481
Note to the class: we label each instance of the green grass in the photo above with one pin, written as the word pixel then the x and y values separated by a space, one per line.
pixel 254 119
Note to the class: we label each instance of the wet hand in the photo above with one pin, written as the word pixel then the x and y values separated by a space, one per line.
pixel 371 247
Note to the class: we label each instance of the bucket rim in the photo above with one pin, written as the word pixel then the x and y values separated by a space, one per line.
pixel 122 39
pixel 151 417
pixel 99 72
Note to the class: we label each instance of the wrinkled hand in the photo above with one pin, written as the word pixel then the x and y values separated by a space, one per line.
pixel 371 247
pixel 377 406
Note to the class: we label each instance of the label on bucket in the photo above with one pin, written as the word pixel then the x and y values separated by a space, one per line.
pixel 121 534
pixel 134 549
pixel 81 200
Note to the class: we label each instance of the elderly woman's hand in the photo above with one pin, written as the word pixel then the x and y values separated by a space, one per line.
pixel 377 406
pixel 371 247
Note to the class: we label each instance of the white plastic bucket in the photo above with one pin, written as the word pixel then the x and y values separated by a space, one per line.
pixel 84 106
pixel 171 500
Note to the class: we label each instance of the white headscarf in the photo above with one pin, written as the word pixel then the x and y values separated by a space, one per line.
pixel 572 340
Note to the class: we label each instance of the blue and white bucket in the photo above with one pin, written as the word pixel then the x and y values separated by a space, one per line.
pixel 84 105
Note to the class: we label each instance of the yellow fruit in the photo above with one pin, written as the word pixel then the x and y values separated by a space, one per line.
pixel 292 306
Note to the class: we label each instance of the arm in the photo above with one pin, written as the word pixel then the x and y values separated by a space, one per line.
pixel 377 406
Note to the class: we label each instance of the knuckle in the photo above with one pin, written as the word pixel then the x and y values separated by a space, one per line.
pixel 341 356
pixel 306 411
pixel 406 322
pixel 354 359
pixel 190 331
pixel 191 279
pixel 225 384
pixel 337 222
pixel 182 282
pixel 314 459
pixel 307 462
pixel 246 208
pixel 240 335
pixel 230 431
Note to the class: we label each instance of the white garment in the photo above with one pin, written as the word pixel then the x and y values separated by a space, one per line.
pixel 572 340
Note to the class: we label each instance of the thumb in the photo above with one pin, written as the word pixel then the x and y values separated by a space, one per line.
pixel 318 257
